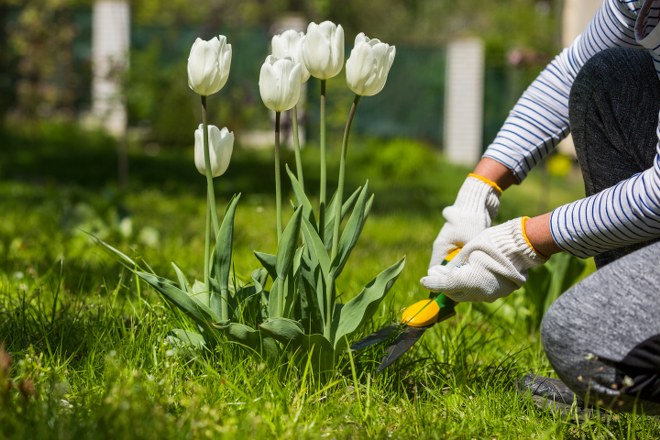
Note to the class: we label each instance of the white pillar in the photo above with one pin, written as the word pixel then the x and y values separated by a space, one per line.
pixel 110 55
pixel 576 15
pixel 464 101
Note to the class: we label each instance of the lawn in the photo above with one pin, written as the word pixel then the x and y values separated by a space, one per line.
pixel 88 351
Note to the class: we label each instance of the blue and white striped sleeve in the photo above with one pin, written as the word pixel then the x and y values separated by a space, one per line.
pixel 626 213
pixel 539 120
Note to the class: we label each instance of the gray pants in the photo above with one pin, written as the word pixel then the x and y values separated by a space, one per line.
pixel 602 336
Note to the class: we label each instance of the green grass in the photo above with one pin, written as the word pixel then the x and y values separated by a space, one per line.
pixel 91 356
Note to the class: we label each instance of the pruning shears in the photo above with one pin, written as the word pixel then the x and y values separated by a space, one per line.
pixel 415 320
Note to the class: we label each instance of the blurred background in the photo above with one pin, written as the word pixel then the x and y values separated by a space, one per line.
pixel 52 61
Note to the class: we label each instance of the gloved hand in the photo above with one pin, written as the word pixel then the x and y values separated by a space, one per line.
pixel 473 211
pixel 492 265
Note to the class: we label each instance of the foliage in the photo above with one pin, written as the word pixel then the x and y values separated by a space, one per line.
pixel 41 38
pixel 528 23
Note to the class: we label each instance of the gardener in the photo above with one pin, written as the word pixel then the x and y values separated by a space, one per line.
pixel 603 335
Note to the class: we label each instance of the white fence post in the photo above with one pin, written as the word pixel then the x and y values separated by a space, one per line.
pixel 110 55
pixel 575 18
pixel 464 101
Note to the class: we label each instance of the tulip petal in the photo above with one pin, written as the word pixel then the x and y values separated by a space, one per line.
pixel 279 83
pixel 368 66
pixel 323 49
pixel 221 145
pixel 209 63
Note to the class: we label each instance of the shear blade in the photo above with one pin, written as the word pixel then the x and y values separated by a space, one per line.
pixel 376 337
pixel 403 342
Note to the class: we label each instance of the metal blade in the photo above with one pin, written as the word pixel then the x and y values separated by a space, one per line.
pixel 403 342
pixel 376 337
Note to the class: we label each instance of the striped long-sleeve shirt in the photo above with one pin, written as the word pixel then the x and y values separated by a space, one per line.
pixel 626 213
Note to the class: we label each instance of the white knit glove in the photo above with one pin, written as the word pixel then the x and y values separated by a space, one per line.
pixel 492 265
pixel 473 211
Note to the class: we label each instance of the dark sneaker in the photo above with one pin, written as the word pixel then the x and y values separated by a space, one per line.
pixel 551 394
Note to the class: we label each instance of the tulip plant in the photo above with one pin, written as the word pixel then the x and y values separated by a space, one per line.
pixel 290 306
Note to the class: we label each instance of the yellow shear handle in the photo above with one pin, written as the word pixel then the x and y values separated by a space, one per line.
pixel 425 312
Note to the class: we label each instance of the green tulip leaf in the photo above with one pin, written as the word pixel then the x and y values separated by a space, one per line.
pixel 123 258
pixel 301 197
pixel 274 300
pixel 201 313
pixel 200 293
pixel 243 334
pixel 352 230
pixel 311 314
pixel 259 278
pixel 286 249
pixel 268 261
pixel 345 208
pixel 183 281
pixel 321 351
pixel 189 338
pixel 318 251
pixel 286 331
pixel 360 308
pixel 291 301
pixel 248 304
pixel 223 246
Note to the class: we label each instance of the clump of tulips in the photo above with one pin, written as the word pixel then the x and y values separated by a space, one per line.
pixel 290 306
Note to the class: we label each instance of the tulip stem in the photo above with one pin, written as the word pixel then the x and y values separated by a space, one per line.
pixel 330 282
pixel 278 183
pixel 210 191
pixel 342 173
pixel 296 146
pixel 211 210
pixel 323 162
pixel 207 247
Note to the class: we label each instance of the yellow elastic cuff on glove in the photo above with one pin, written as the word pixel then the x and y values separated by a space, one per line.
pixel 487 181
pixel 523 228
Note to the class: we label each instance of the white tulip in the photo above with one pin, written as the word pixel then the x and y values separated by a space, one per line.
pixel 368 65
pixel 288 44
pixel 221 145
pixel 323 49
pixel 279 83
pixel 208 65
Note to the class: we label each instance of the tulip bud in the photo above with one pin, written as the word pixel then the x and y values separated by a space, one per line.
pixel 208 65
pixel 368 65
pixel 221 145
pixel 323 49
pixel 279 83
pixel 288 44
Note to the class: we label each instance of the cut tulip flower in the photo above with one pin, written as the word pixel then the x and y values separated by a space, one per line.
pixel 221 145
pixel 208 65
pixel 279 83
pixel 323 49
pixel 368 65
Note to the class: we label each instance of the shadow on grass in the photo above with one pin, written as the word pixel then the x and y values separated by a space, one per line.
pixel 66 156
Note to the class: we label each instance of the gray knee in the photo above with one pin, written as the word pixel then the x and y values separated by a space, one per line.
pixel 599 75
pixel 572 349
pixel 590 81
